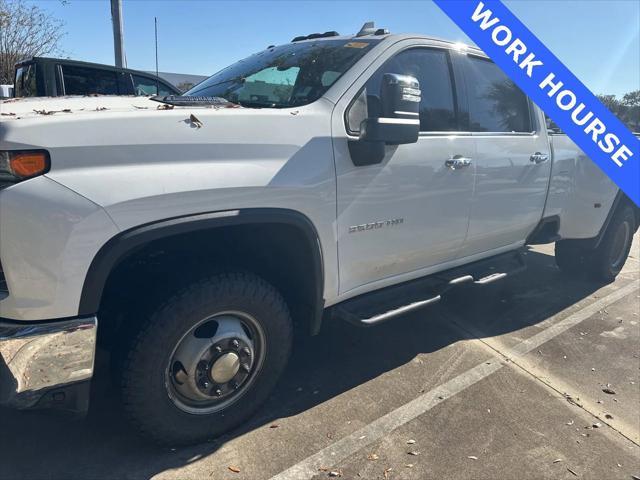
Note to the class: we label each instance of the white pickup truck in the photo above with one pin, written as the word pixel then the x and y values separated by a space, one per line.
pixel 334 177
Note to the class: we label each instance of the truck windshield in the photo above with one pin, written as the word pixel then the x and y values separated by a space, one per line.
pixel 286 76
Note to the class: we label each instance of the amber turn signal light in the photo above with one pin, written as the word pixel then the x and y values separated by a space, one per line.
pixel 29 164
pixel 20 165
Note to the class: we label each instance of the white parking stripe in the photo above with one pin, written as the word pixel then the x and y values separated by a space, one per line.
pixel 347 446
pixel 547 334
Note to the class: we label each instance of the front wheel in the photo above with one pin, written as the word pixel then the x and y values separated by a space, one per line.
pixel 206 359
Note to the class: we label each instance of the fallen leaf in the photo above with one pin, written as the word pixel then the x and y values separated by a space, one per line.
pixel 410 442
pixel 569 423
pixel 274 425
pixel 234 469
pixel 409 465
pixel 597 425
pixel 335 473
pixel 472 457
pixel 608 416
pixel 372 456
pixel 557 460
pixel 165 106
pixel 194 121
pixel 609 391
pixel 572 472
pixel 386 472
pixel 414 453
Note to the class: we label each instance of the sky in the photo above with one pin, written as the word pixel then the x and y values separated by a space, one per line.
pixel 598 40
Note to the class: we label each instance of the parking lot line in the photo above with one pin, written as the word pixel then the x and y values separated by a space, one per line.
pixel 347 446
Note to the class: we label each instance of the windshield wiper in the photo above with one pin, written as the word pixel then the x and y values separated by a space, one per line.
pixel 188 101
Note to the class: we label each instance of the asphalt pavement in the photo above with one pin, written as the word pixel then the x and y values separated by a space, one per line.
pixel 538 377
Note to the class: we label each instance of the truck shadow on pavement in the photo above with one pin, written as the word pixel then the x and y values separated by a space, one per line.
pixel 39 445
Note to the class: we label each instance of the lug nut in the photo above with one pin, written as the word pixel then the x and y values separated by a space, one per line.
pixel 218 392
pixel 245 368
pixel 218 349
pixel 235 343
pixel 246 351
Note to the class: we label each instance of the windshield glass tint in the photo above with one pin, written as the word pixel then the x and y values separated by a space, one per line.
pixel 286 76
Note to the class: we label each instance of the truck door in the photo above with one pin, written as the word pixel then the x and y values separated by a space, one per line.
pixel 512 158
pixel 400 218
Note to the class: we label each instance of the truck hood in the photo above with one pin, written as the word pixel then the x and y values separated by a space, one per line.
pixel 19 108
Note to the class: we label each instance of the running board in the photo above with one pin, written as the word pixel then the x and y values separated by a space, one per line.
pixel 398 300
pixel 383 317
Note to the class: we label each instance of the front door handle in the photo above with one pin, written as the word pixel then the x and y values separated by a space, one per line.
pixel 457 162
pixel 539 158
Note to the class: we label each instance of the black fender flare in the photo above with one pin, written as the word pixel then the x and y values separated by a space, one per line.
pixel 128 242
pixel 620 199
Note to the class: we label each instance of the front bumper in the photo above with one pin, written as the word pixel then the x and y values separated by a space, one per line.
pixel 47 364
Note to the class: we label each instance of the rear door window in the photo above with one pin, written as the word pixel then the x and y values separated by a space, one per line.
pixel 496 104
pixel 88 81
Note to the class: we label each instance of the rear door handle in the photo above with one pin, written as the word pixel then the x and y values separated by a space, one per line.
pixel 457 162
pixel 539 158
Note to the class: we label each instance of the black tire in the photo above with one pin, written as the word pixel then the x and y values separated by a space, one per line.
pixel 572 257
pixel 610 256
pixel 144 385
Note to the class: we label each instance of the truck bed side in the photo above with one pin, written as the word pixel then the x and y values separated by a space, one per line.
pixel 580 194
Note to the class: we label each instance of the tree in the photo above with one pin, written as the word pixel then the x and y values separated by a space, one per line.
pixel 631 99
pixel 611 102
pixel 25 31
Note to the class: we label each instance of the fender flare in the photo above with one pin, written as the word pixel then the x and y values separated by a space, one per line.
pixel 128 242
pixel 617 201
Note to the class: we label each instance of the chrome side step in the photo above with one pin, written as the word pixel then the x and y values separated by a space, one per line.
pixel 383 317
pixel 490 278
pixel 398 300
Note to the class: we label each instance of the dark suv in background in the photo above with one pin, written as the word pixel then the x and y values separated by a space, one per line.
pixel 54 77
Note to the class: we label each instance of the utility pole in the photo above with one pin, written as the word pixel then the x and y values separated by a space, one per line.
pixel 155 24
pixel 118 36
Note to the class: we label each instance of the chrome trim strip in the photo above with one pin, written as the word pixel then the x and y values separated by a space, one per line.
pixel 38 357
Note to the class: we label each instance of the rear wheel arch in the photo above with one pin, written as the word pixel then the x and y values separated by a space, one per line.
pixel 269 228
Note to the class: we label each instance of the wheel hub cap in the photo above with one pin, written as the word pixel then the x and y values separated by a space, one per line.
pixel 213 364
pixel 225 368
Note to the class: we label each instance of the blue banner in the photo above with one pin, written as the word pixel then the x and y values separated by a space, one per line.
pixel 577 111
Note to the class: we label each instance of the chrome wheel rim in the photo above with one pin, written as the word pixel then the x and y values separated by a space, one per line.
pixel 620 245
pixel 215 363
